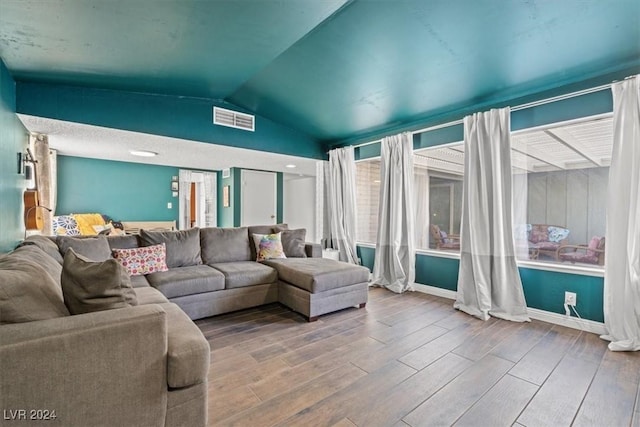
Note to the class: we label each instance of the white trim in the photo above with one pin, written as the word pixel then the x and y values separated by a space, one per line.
pixel 562 268
pixel 534 313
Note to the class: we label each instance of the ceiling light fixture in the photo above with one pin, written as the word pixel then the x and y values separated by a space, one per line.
pixel 143 153
pixel 290 166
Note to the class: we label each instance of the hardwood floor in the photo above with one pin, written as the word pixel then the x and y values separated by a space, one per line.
pixel 412 360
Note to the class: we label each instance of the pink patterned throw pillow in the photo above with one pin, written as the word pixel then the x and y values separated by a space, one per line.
pixel 143 260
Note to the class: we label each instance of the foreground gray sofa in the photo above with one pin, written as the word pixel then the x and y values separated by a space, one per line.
pixel 142 365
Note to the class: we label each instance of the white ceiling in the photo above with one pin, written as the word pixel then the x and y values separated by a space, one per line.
pixel 578 144
pixel 81 140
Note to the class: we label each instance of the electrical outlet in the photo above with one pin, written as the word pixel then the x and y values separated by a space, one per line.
pixel 570 298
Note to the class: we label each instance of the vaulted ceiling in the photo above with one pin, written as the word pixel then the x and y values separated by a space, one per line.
pixel 334 69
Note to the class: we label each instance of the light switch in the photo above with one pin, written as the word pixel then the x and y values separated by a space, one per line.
pixel 169 205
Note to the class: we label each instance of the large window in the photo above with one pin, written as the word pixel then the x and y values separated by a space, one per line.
pixel 560 177
pixel 367 196
pixel 561 185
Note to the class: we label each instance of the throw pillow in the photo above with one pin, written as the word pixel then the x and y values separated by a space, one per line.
pixel 293 243
pixel 94 248
pixel 268 246
pixel 144 260
pixel 183 247
pixel 28 292
pixel 95 286
pixel 538 235
pixel 65 225
pixel 557 234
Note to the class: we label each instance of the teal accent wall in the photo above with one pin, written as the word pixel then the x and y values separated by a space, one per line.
pixel 166 115
pixel 543 289
pixel 124 191
pixel 279 196
pixel 13 140
pixel 225 214
pixel 236 173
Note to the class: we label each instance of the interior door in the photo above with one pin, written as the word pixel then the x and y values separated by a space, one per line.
pixel 258 197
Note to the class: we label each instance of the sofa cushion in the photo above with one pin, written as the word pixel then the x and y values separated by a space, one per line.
pixel 245 273
pixel 224 245
pixel 149 295
pixel 27 291
pixel 90 286
pixel 139 282
pixel 35 254
pixel 183 247
pixel 123 242
pixel 318 274
pixel 293 243
pixel 142 260
pixel 190 280
pixel 47 244
pixel 93 248
pixel 188 351
pixel 557 234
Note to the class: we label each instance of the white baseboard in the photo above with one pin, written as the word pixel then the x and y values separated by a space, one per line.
pixel 534 313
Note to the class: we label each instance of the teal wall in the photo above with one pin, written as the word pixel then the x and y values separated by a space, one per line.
pixel 13 140
pixel 174 116
pixel 124 191
pixel 543 289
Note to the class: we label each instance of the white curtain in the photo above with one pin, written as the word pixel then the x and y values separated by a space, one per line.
pixel 421 199
pixel 341 204
pixel 46 172
pixel 210 199
pixel 184 199
pixel 622 256
pixel 488 279
pixel 395 260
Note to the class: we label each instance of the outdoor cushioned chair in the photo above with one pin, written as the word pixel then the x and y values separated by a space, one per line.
pixel 593 253
pixel 444 240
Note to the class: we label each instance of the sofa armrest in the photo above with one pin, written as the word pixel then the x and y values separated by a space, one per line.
pixel 313 250
pixel 102 368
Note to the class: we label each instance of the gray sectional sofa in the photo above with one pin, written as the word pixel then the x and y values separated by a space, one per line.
pixel 145 363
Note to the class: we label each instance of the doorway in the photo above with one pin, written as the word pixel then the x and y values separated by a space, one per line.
pixel 259 192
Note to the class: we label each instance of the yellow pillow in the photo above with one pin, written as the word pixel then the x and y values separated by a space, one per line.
pixel 87 221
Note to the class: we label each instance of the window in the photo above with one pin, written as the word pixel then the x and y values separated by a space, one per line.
pixel 438 178
pixel 368 194
pixel 560 186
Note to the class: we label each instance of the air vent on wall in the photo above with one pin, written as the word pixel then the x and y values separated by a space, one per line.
pixel 233 119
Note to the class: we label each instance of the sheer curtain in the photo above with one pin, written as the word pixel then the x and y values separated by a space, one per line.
pixel 395 260
pixel 421 199
pixel 184 198
pixel 488 279
pixel 622 256
pixel 46 164
pixel 341 203
pixel 210 199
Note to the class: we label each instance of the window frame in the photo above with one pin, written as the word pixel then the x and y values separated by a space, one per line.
pixel 584 270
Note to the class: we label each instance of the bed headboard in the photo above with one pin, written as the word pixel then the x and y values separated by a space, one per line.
pixel 134 227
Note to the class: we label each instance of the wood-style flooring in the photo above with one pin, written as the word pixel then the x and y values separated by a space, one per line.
pixel 412 359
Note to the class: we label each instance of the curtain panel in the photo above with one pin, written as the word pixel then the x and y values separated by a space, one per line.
pixel 488 280
pixel 341 203
pixel 394 265
pixel 622 257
